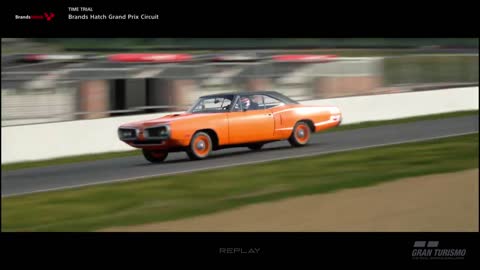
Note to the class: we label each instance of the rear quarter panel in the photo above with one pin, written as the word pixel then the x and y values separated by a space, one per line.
pixel 287 116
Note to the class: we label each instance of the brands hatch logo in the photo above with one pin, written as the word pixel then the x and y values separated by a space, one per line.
pixel 46 15
pixel 429 250
pixel 49 16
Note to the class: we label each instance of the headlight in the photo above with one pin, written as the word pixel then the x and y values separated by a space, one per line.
pixel 127 133
pixel 156 132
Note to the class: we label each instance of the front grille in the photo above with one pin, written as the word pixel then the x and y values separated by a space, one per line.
pixel 127 133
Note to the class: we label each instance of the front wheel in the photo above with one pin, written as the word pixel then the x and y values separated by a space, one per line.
pixel 200 146
pixel 300 135
pixel 155 156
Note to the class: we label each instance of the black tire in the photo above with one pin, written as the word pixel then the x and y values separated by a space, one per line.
pixel 300 135
pixel 255 146
pixel 200 146
pixel 155 156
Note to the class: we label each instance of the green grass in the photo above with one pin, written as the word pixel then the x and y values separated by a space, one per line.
pixel 74 159
pixel 173 197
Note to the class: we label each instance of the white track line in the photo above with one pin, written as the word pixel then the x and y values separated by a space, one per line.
pixel 239 164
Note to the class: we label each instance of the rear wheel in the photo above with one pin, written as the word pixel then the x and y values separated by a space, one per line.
pixel 255 146
pixel 300 135
pixel 200 146
pixel 155 156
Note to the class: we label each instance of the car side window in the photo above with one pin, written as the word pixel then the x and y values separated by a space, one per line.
pixel 252 102
pixel 271 102
pixel 217 104
pixel 237 107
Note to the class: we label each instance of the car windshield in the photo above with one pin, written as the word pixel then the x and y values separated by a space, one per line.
pixel 212 104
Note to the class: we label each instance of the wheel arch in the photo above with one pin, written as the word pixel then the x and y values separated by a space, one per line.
pixel 309 122
pixel 213 136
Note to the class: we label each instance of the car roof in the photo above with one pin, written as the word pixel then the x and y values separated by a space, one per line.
pixel 274 94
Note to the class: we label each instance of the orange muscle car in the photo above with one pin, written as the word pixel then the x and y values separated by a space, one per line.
pixel 214 122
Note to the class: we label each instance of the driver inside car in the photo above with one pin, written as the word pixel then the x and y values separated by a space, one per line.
pixel 256 100
pixel 245 103
pixel 251 103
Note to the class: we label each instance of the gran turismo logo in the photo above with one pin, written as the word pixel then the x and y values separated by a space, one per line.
pixel 430 250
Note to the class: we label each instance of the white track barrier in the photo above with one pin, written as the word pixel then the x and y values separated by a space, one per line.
pixel 401 105
pixel 55 140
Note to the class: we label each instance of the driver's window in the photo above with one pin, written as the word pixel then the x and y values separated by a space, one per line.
pixel 257 102
pixel 271 102
pixel 237 107
pixel 252 102
pixel 213 105
pixel 199 107
pixel 226 104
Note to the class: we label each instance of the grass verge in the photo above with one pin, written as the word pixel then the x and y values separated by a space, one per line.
pixel 173 197
pixel 94 157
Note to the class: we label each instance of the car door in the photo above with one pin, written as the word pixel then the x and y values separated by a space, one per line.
pixel 250 124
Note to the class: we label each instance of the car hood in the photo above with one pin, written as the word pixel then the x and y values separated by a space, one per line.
pixel 167 119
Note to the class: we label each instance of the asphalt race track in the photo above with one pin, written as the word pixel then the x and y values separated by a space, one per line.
pixel 129 168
